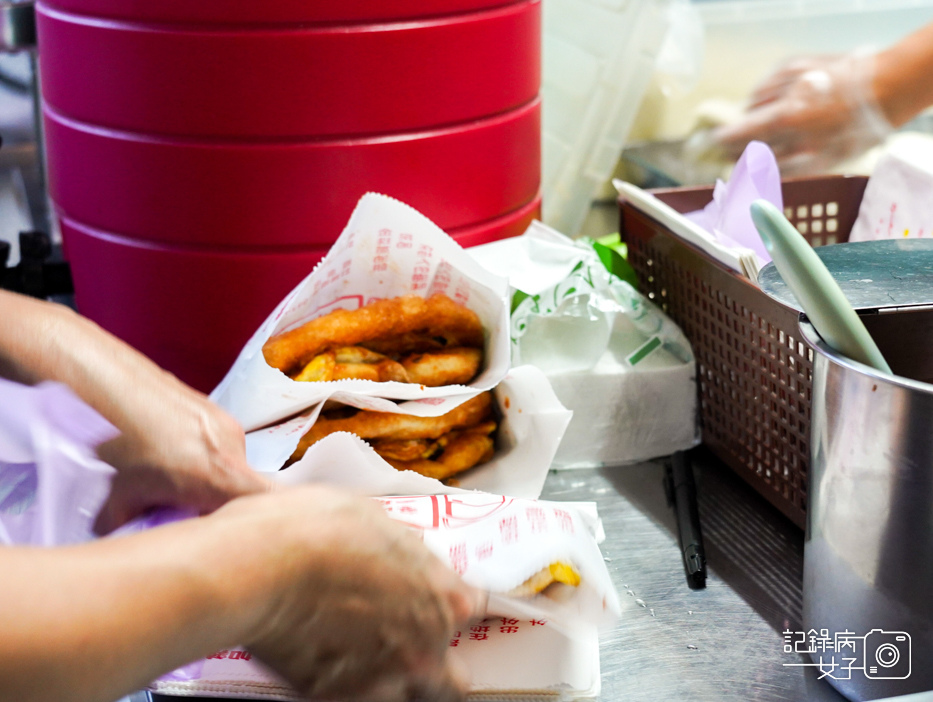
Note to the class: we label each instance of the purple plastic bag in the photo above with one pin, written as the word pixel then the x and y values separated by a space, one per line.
pixel 52 484
pixel 155 517
pixel 756 175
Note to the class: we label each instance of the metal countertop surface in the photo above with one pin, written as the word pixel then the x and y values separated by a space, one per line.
pixel 724 642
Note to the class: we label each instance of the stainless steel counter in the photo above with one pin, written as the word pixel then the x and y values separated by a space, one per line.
pixel 721 643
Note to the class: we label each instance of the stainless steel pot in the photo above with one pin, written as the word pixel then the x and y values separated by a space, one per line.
pixel 868 557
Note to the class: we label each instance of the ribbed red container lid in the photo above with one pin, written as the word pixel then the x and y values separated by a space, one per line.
pixel 293 81
pixel 257 12
pixel 204 154
pixel 288 193
pixel 512 224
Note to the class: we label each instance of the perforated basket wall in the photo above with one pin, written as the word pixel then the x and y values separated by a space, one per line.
pixel 754 373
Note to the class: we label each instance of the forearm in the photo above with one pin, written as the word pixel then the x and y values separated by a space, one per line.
pixel 97 621
pixel 44 341
pixel 903 81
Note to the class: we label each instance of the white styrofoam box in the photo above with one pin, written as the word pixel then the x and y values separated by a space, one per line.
pixel 598 61
pixel 746 39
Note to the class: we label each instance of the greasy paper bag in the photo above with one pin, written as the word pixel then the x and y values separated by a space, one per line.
pixel 386 250
pixel 532 423
pixel 496 543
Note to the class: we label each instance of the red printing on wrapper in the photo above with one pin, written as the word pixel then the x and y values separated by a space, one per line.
pixel 484 551
pixel 458 558
pixel 332 277
pixel 508 529
pixel 537 519
pixel 233 655
pixel 486 630
pixel 383 243
pixel 442 278
pixel 479 632
pixel 565 520
pixel 462 294
pixel 509 626
pixel 434 511
pixel 422 269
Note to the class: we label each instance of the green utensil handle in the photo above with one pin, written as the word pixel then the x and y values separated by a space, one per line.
pixel 819 295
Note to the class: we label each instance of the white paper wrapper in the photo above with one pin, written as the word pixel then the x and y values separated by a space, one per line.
pixel 505 657
pixel 524 648
pixel 636 416
pixel 386 250
pixel 496 543
pixel 533 423
pixel 897 202
pixel 623 368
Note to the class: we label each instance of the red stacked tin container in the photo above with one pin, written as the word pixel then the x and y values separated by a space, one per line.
pixel 204 155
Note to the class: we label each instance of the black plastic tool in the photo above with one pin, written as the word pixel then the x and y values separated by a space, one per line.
pixel 680 487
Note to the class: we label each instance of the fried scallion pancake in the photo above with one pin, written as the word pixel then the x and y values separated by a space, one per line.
pixel 397 326
pixel 437 447
pixel 557 572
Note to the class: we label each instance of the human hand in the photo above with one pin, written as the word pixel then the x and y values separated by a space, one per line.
pixel 322 587
pixel 814 112
pixel 353 605
pixel 176 449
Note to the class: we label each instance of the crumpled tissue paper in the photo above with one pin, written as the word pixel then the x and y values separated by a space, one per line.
pixel 727 216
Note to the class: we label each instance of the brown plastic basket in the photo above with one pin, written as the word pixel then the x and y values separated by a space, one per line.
pixel 753 371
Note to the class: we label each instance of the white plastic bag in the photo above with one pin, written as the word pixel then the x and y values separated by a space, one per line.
pixel 621 365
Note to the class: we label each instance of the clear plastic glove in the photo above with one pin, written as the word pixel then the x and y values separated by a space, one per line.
pixel 814 112
pixel 354 606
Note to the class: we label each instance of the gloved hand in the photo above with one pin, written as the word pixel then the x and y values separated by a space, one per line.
pixel 813 112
